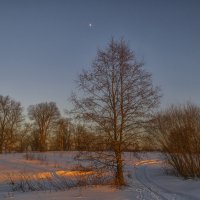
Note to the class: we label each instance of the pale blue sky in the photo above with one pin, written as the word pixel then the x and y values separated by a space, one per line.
pixel 44 44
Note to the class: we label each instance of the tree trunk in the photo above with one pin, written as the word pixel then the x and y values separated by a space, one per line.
pixel 1 147
pixel 119 176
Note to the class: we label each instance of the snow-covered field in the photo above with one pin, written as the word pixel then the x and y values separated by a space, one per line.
pixel 146 178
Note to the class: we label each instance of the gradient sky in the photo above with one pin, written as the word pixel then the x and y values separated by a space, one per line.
pixel 44 44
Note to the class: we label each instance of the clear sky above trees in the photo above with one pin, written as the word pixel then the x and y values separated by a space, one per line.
pixel 45 44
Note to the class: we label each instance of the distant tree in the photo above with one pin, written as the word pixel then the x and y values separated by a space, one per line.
pixel 23 137
pixel 44 116
pixel 83 139
pixel 117 96
pixel 10 119
pixel 34 139
pixel 62 139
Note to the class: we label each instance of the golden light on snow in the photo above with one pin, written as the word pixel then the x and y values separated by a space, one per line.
pixel 145 162
pixel 43 175
pixel 73 173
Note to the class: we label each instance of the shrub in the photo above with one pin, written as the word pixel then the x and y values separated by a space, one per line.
pixel 177 131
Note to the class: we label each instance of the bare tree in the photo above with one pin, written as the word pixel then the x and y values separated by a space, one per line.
pixel 84 139
pixel 44 116
pixel 117 95
pixel 62 139
pixel 34 139
pixel 23 137
pixel 10 119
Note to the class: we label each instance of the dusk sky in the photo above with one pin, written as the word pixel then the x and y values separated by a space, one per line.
pixel 45 44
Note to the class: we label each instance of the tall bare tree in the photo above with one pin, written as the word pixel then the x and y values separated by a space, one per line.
pixel 44 116
pixel 117 95
pixel 10 119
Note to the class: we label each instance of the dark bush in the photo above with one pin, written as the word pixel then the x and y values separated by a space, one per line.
pixel 177 132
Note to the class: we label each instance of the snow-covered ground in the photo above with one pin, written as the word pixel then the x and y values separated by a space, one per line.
pixel 146 178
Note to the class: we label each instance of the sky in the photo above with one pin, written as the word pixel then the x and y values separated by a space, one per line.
pixel 45 44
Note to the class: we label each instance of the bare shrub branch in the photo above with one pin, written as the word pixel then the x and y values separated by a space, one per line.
pixel 177 130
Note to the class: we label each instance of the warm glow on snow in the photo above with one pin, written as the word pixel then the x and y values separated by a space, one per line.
pixel 73 173
pixel 145 162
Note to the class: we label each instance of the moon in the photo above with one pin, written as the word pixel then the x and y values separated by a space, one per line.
pixel 90 25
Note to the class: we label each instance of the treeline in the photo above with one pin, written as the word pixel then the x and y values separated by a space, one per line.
pixel 44 129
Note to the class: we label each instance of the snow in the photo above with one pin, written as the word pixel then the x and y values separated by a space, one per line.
pixel 146 179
